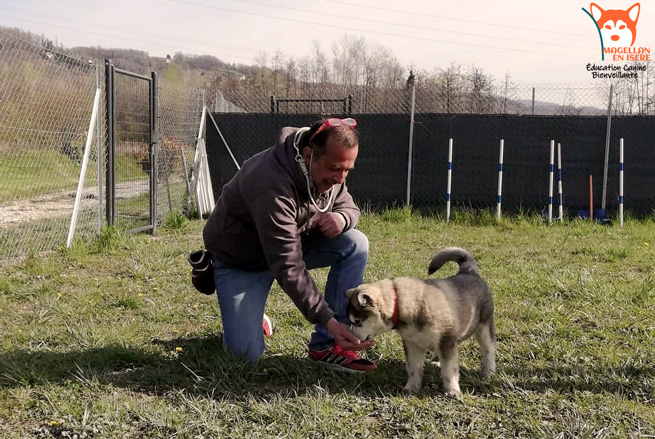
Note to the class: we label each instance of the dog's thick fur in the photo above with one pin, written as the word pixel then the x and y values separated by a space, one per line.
pixel 434 315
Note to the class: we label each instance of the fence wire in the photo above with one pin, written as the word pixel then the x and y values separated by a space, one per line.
pixel 46 97
pixel 46 100
pixel 180 112
pixel 454 90
pixel 513 99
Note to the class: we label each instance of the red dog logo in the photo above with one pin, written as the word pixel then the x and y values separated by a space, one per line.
pixel 618 28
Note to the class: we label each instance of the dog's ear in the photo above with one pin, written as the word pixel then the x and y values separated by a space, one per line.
pixel 350 292
pixel 364 299
pixel 596 11
pixel 633 12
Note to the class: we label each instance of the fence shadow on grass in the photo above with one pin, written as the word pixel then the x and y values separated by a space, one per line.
pixel 196 366
pixel 199 367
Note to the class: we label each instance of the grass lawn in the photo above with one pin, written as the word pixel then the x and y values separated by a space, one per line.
pixel 34 173
pixel 110 340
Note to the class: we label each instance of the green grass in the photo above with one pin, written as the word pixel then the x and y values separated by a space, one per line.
pixel 33 173
pixel 110 337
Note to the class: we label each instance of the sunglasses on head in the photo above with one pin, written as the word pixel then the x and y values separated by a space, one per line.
pixel 334 122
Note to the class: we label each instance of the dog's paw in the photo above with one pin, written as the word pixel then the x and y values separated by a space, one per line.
pixel 453 393
pixel 411 389
pixel 488 373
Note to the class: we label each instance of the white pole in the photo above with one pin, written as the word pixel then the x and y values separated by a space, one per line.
pixel 222 138
pixel 559 182
pixel 450 171
pixel 195 174
pixel 85 163
pixel 500 179
pixel 550 182
pixel 621 182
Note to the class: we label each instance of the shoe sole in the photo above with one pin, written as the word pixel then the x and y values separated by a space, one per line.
pixel 337 367
pixel 270 326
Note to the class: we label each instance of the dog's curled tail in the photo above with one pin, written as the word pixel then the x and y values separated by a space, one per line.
pixel 466 262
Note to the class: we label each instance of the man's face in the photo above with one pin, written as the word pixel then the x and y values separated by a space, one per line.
pixel 333 166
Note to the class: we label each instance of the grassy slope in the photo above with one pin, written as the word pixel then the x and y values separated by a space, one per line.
pixel 34 173
pixel 114 329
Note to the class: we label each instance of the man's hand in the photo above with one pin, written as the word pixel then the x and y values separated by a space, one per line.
pixel 331 224
pixel 344 338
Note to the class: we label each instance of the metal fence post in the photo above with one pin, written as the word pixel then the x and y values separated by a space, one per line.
pixel 411 80
pixel 109 102
pixel 607 147
pixel 154 142
pixel 99 157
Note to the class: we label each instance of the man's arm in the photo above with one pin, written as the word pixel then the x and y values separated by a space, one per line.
pixel 275 221
pixel 346 208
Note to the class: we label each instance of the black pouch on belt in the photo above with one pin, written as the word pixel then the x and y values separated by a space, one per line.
pixel 202 273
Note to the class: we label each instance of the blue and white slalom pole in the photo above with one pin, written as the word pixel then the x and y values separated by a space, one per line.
pixel 550 182
pixel 559 182
pixel 500 179
pixel 450 171
pixel 621 182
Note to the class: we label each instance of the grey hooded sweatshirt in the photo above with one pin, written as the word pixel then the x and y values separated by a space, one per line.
pixel 261 216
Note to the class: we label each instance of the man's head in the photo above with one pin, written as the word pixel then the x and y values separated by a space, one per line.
pixel 331 151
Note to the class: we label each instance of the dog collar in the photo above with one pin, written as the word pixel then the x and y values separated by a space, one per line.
pixel 394 317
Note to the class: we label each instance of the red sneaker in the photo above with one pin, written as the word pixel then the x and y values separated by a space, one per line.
pixel 267 326
pixel 337 358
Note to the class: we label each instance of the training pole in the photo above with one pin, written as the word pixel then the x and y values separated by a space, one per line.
pixel 450 172
pixel 621 182
pixel 591 198
pixel 500 179
pixel 559 182
pixel 550 182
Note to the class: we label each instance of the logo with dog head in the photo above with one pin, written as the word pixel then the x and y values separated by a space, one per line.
pixel 617 29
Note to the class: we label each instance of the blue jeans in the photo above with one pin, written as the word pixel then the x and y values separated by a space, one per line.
pixel 242 293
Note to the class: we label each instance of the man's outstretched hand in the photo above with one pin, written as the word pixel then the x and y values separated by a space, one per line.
pixel 344 338
pixel 331 224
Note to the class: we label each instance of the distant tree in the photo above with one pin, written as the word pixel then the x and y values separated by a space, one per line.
pixel 480 90
pixel 261 59
pixel 320 67
pixel 304 73
pixel 290 73
pixel 506 90
pixel 277 64
pixel 344 59
pixel 451 85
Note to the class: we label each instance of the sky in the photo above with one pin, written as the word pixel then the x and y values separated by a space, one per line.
pixel 545 41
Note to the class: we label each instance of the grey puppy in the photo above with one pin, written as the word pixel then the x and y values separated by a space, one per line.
pixel 431 315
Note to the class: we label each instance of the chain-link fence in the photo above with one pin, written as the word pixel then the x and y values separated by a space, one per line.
pixel 454 90
pixel 46 100
pixel 46 104
pixel 180 110
pixel 517 99
pixel 526 118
